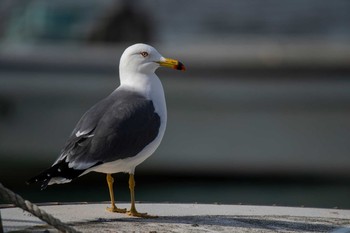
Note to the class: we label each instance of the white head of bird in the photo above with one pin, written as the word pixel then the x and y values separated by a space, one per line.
pixel 139 62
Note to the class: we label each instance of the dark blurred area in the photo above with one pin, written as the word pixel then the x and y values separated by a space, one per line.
pixel 261 116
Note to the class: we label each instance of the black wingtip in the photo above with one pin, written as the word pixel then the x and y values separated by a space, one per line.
pixel 42 177
pixel 61 170
pixel 33 179
pixel 44 184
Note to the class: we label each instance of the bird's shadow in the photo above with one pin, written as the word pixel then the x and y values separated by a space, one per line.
pixel 265 222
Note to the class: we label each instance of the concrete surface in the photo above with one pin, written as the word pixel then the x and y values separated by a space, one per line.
pixel 183 218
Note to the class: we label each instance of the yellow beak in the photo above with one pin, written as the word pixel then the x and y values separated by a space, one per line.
pixel 171 63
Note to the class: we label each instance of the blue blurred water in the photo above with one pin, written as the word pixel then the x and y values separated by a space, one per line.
pixel 67 21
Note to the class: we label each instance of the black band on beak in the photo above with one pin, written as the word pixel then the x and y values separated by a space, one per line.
pixel 180 66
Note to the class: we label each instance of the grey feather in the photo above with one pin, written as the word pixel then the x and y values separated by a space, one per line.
pixel 117 127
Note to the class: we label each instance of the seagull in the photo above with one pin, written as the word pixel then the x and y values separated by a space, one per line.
pixel 122 130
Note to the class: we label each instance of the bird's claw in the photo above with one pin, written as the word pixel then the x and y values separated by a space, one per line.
pixel 114 209
pixel 134 213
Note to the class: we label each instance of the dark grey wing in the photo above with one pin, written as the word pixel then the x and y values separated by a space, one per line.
pixel 78 142
pixel 125 128
pixel 118 127
pixel 77 145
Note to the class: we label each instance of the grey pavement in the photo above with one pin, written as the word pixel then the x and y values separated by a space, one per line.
pixel 183 218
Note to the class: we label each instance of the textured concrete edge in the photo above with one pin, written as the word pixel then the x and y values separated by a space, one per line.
pixel 181 209
pixel 88 217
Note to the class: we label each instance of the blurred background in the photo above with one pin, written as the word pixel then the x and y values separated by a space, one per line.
pixel 261 116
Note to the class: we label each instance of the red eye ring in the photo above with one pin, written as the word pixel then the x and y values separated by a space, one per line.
pixel 144 54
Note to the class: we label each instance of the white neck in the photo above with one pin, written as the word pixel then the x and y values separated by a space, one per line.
pixel 148 86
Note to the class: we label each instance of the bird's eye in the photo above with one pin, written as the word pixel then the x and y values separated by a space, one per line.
pixel 144 54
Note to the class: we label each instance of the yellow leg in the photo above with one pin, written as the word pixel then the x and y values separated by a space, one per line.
pixel 113 208
pixel 133 211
